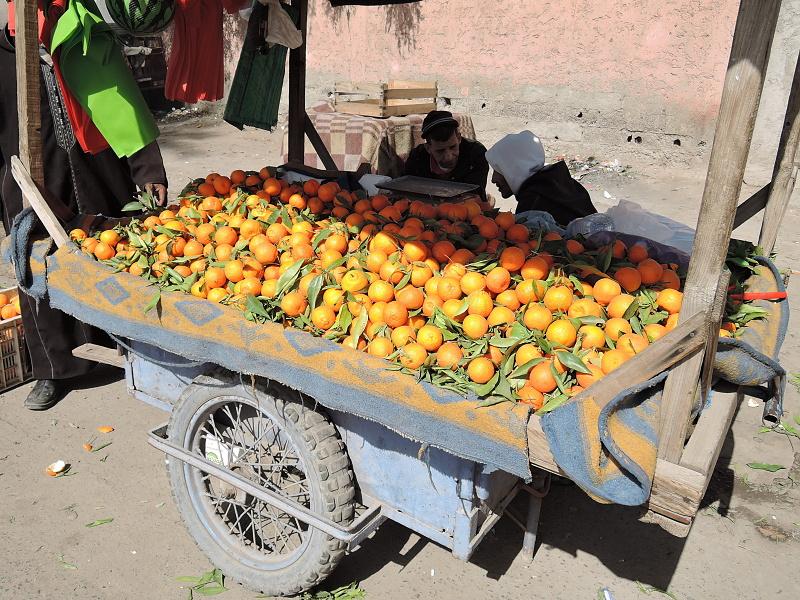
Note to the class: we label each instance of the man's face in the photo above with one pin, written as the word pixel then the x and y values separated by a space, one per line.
pixel 445 153
pixel 502 184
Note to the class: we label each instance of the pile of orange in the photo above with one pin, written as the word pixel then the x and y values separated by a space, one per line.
pixel 9 307
pixel 471 300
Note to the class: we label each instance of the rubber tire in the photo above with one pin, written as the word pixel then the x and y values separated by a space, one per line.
pixel 330 477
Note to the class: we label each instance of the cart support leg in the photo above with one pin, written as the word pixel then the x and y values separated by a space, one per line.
pixel 531 527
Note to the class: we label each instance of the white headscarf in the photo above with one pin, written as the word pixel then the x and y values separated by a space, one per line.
pixel 516 157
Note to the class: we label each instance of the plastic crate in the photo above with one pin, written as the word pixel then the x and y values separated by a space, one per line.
pixel 15 366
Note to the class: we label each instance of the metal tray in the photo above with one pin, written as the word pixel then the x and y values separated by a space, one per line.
pixel 422 186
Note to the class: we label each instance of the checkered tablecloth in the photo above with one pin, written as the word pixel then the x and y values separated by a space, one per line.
pixel 353 140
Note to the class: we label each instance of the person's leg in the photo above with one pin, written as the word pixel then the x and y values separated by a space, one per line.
pixel 50 336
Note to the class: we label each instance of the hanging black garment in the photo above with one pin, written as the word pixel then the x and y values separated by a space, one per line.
pixel 370 2
pixel 552 189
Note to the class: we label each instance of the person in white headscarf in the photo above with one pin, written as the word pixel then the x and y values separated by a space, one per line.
pixel 519 170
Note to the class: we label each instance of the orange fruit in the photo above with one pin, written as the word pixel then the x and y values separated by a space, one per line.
pixel 294 304
pixel 109 237
pixel 430 337
pixel 505 220
pixel 376 312
pixel 381 291
pixel 512 259
pixel 585 307
pixel 632 343
pixel 199 288
pixel 562 332
pixel 585 379
pixel 620 249
pixel 395 315
pixel 613 359
pixel 574 247
pixel 410 297
pixel 413 355
pixel 4 299
pixel 391 272
pixel 449 355
pixel 420 275
pixel 480 369
pixel 443 250
pixel 537 317
pixel 219 294
pixel 323 317
pixel 637 253
pixel 508 299
pixel 249 286
pixel 670 300
pixel 233 270
pixel 455 271
pixel 558 297
pixel 541 378
pixel 403 335
pixel 517 233
pixel 671 322
pixel 475 326
pixel 530 395
pixel 501 315
pixel 498 280
pixel 226 235
pixel 380 347
pixel 250 228
pixel 617 327
pixel 103 251
pixel 448 289
pixel 354 281
pixel 430 304
pixel 526 353
pixel 617 307
pixel 650 271
pixel 654 331
pixel 415 251
pixel 591 337
pixel 605 290
pixel 530 290
pixel 535 268
pixel 629 278
pixel 472 282
pixel 670 279
pixel 452 308
pixel 480 303
pixel 9 311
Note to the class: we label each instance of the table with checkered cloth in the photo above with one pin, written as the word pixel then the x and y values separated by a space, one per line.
pixel 353 140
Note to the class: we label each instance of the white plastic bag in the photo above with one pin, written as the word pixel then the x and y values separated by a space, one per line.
pixel 280 27
pixel 630 217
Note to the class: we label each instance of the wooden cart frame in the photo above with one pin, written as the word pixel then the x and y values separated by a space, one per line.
pixel 684 468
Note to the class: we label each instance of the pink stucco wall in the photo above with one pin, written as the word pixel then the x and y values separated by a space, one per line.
pixel 645 65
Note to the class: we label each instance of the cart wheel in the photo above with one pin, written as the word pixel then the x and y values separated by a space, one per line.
pixel 273 439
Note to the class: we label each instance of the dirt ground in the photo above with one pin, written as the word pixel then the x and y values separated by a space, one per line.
pixel 743 543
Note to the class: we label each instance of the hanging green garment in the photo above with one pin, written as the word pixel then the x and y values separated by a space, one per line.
pixel 255 94
pixel 95 72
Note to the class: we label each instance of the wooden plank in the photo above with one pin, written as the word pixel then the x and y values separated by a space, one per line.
pixel 411 93
pixel 100 354
pixel 361 88
pixel 755 26
pixel 676 528
pixel 319 146
pixel 785 173
pixel 297 88
pixel 715 323
pixel 752 206
pixel 401 84
pixel 29 91
pixel 31 194
pixel 703 448
pixel 408 109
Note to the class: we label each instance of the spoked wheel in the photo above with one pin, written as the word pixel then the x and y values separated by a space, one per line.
pixel 277 442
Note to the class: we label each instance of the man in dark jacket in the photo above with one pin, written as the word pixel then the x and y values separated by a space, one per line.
pixel 446 155
pixel 83 183
pixel 519 170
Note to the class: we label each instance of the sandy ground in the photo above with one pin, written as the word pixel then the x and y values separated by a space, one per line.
pixel 742 545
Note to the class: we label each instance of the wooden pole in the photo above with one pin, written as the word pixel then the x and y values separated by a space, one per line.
pixel 28 90
pixel 752 38
pixel 785 173
pixel 297 89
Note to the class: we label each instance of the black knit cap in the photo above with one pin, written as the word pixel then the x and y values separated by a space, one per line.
pixel 436 119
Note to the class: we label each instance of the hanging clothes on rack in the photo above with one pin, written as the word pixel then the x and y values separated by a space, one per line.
pixel 196 63
pixel 255 93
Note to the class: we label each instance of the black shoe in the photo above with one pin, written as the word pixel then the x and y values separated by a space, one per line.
pixel 45 394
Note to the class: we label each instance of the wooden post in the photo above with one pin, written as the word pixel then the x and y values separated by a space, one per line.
pixel 297 89
pixel 752 38
pixel 785 173
pixel 28 90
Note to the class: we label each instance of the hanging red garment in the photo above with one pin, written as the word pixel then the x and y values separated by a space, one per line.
pixel 86 133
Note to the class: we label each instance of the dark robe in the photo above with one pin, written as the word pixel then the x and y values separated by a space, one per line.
pixel 99 184
pixel 552 189
pixel 471 167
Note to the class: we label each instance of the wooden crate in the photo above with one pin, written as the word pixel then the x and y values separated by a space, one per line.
pixel 14 364
pixel 393 99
